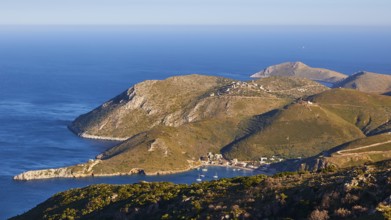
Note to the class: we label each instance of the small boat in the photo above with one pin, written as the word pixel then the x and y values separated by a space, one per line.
pixel 234 169
pixel 239 169
pixel 204 169
pixel 198 168
pixel 215 176
pixel 202 175
pixel 199 179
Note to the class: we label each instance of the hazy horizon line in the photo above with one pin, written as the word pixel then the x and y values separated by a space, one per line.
pixel 198 25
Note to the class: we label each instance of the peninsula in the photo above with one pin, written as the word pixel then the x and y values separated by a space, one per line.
pixel 168 126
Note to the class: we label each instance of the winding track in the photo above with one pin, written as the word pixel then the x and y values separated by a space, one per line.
pixel 342 152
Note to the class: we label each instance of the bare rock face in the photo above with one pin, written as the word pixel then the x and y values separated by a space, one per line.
pixel 299 69
pixel 80 170
pixel 44 174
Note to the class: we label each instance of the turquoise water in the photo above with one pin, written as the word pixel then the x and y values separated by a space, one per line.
pixel 50 75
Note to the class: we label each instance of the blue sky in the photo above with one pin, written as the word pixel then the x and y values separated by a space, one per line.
pixel 196 12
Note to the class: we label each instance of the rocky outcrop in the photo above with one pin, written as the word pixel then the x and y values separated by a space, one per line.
pixel 299 69
pixel 77 171
pixel 45 174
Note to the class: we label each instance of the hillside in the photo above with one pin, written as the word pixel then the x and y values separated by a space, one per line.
pixel 310 126
pixel 299 69
pixel 367 82
pixel 168 140
pixel 369 112
pixel 359 193
pixel 183 99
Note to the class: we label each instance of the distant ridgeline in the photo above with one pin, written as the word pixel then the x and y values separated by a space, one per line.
pixel 362 81
pixel 166 126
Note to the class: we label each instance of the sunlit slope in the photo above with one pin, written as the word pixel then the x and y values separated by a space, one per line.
pixel 149 103
pixel 176 148
pixel 184 99
pixel 299 130
pixel 313 125
pixel 206 123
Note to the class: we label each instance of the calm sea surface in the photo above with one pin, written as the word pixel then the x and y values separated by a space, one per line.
pixel 50 75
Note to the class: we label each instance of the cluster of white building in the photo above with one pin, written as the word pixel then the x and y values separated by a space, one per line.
pixel 218 159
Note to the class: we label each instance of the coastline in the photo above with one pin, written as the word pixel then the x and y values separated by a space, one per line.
pixel 65 172
pixel 87 168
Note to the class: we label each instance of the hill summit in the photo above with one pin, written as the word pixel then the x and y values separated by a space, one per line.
pixel 300 69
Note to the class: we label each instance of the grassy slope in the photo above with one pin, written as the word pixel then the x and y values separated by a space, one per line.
pixel 172 147
pixel 366 111
pixel 298 130
pixel 304 129
pixel 346 194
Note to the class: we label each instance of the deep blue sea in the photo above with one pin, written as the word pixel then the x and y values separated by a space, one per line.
pixel 50 75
